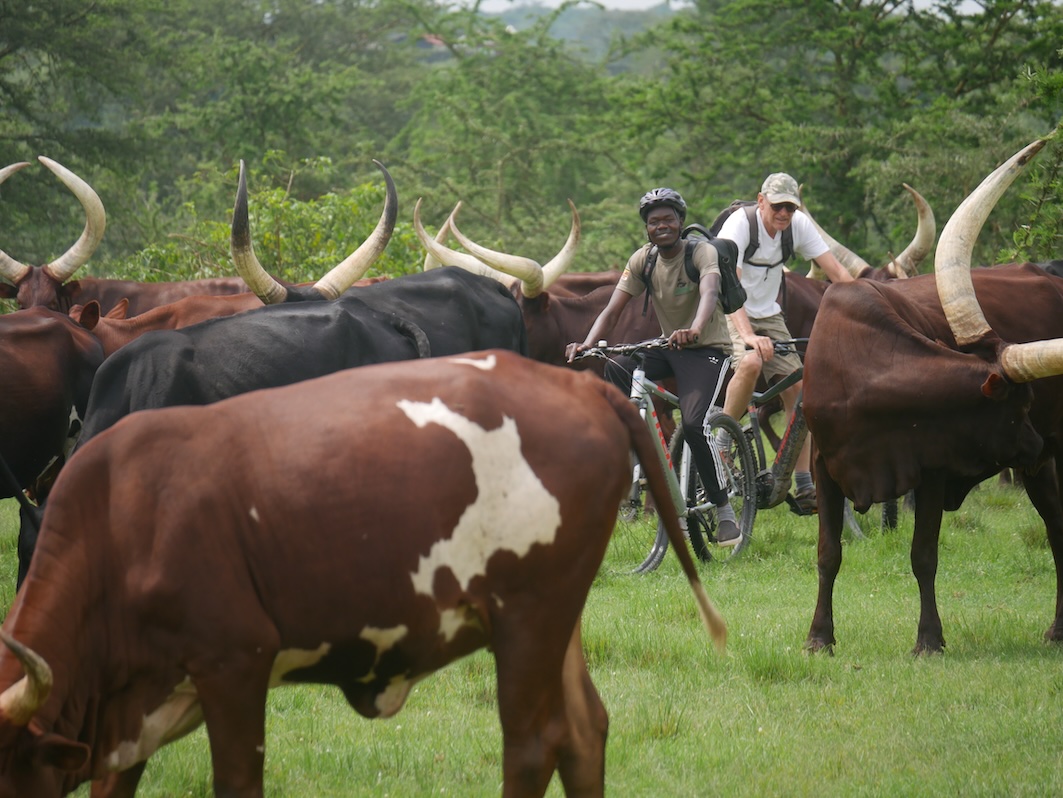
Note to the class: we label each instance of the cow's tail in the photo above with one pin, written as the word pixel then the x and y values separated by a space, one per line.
pixel 417 336
pixel 646 450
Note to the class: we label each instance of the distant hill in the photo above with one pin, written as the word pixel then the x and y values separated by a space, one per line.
pixel 589 31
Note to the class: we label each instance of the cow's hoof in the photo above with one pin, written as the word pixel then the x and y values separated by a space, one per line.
pixel 815 645
pixel 928 647
pixel 1054 634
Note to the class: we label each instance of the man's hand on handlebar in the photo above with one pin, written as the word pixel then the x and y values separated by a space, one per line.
pixel 763 346
pixel 682 337
pixel 573 349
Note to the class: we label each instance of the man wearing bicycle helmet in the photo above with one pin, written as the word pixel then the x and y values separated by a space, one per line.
pixel 691 320
pixel 755 327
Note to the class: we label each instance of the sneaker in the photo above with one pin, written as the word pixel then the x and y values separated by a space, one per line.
pixel 728 534
pixel 805 500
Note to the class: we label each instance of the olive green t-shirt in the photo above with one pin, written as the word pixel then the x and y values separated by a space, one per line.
pixel 675 298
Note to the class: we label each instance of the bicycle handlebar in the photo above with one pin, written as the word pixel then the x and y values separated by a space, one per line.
pixel 784 347
pixel 606 350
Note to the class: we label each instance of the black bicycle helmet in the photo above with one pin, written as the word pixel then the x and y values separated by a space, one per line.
pixel 662 196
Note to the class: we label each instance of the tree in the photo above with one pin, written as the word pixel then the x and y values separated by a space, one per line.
pixel 853 98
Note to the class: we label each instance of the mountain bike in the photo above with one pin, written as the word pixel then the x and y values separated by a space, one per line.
pixel 734 467
pixel 773 478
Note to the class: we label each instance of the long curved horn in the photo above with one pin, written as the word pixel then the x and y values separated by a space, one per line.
pixel 430 260
pixel 907 263
pixel 526 270
pixel 562 261
pixel 952 262
pixel 339 278
pixel 355 265
pixel 247 264
pixel 62 268
pixel 852 262
pixel 20 702
pixel 10 268
pixel 450 257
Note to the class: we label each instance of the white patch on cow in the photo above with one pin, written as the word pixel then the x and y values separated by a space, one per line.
pixel 253 512
pixel 383 639
pixel 513 510
pixel 486 363
pixel 390 701
pixel 175 717
pixel 453 621
pixel 294 658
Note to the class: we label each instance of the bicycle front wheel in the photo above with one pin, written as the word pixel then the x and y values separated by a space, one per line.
pixel 736 469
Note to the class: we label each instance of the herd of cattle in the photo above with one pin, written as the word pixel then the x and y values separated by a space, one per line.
pixel 194 556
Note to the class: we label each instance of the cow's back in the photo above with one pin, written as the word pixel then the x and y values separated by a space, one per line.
pixel 262 348
pixel 459 311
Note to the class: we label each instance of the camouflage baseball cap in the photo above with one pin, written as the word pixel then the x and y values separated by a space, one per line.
pixel 780 187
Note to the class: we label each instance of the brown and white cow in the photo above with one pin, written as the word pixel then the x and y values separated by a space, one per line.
pixel 52 285
pixel 194 557
pixel 934 384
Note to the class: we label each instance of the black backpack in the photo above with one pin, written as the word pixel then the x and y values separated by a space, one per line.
pixel 732 294
pixel 750 208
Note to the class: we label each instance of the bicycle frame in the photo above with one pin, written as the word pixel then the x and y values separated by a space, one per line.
pixel 793 439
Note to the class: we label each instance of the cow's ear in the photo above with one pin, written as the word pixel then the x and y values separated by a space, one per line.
pixel 995 387
pixel 59 752
pixel 8 291
pixel 120 309
pixel 89 316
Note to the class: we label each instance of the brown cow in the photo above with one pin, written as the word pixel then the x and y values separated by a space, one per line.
pixel 51 285
pixel 47 363
pixel 921 385
pixel 193 557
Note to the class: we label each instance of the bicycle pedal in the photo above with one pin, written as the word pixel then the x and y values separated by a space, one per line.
pixel 797 509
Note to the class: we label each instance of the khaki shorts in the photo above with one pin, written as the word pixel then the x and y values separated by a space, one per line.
pixel 775 328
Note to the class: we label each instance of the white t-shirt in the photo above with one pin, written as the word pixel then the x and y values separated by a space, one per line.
pixel 762 284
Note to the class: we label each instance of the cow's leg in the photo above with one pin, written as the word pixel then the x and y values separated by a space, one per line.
pixel 533 673
pixel 233 698
pixel 929 504
pixel 119 785
pixel 582 762
pixel 831 519
pixel 1043 489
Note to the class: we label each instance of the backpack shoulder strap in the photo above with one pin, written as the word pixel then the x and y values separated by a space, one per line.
pixel 647 276
pixel 754 236
pixel 688 262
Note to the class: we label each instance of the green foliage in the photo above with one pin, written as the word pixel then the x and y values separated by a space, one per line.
pixel 155 103
pixel 296 240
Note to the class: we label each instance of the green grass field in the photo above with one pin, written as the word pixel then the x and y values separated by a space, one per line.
pixel 766 719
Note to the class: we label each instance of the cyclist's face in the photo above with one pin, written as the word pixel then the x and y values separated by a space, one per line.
pixel 663 227
pixel 776 216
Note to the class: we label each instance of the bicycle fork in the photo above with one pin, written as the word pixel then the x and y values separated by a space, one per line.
pixel 793 439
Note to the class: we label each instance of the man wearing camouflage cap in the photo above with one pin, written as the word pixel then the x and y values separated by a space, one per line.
pixel 760 322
